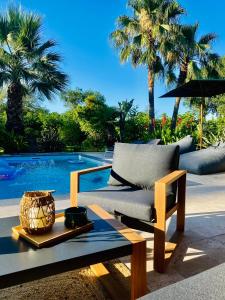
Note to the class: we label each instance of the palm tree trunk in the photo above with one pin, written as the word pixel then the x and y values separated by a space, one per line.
pixel 14 108
pixel 151 100
pixel 181 80
pixel 175 113
pixel 122 127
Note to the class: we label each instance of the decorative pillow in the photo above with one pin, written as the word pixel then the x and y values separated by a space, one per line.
pixel 139 166
pixel 203 162
pixel 186 144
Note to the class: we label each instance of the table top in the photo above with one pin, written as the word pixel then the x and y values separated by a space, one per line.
pixel 21 262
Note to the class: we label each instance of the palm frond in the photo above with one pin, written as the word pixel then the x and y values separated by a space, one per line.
pixel 5 78
pixel 207 38
pixel 119 38
pixel 125 53
pixel 123 21
pixel 40 50
pixel 25 58
pixel 172 10
pixel 194 72
pixel 4 29
pixel 170 77
pixel 137 40
pixel 136 57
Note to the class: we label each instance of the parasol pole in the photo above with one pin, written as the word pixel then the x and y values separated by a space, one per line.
pixel 201 124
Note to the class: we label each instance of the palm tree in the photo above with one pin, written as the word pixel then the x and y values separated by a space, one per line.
pixel 138 38
pixel 192 57
pixel 27 65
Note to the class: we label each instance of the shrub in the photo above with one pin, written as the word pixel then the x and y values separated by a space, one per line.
pixel 13 143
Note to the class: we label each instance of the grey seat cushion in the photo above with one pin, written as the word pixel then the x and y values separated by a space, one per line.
pixel 186 144
pixel 142 165
pixel 202 162
pixel 125 200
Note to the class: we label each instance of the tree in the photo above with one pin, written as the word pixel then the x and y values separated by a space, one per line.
pixel 27 65
pixel 78 96
pixel 70 130
pixel 124 109
pixel 50 140
pixel 138 38
pixel 191 56
pixel 218 102
pixel 94 116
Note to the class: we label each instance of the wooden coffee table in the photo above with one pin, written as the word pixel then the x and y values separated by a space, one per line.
pixel 21 262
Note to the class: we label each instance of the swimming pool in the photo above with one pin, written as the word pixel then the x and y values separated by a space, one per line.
pixel 46 172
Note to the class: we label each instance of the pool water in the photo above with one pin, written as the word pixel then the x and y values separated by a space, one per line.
pixel 28 173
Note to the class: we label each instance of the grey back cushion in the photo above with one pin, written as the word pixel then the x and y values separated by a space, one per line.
pixel 141 165
pixel 138 142
pixel 154 142
pixel 203 162
pixel 186 144
pixel 150 142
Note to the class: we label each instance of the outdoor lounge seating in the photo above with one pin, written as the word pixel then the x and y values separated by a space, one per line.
pixel 203 162
pixel 145 189
pixel 109 151
pixel 186 144
pixel 150 142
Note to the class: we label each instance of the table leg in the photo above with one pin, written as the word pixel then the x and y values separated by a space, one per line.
pixel 138 270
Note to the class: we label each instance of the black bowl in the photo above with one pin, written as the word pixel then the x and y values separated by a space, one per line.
pixel 75 217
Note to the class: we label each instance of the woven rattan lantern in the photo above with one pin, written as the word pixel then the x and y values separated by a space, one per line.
pixel 37 212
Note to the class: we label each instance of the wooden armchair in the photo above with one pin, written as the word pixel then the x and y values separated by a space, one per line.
pixel 162 250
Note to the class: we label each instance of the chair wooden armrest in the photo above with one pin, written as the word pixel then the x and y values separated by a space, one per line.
pixel 172 177
pixel 160 203
pixel 75 181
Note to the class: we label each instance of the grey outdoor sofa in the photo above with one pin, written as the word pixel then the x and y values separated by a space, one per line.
pixel 203 162
pixel 142 190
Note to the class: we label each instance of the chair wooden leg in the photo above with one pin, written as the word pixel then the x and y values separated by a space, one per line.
pixel 181 195
pixel 160 228
pixel 159 250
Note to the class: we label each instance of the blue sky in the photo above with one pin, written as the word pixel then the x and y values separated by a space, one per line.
pixel 81 29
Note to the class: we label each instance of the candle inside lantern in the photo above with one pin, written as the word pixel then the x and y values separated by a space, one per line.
pixel 38 216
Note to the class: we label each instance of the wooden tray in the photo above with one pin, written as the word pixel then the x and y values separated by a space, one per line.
pixel 58 233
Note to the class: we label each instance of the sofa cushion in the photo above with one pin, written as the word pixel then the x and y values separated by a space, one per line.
pixel 125 200
pixel 138 142
pixel 154 142
pixel 186 144
pixel 202 162
pixel 218 145
pixel 142 165
pixel 150 142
